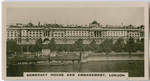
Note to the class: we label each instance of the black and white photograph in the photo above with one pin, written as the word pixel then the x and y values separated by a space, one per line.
pixel 85 41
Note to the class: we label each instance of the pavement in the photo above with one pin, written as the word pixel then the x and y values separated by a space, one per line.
pixel 121 57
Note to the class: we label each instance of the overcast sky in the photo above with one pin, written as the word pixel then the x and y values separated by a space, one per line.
pixel 80 16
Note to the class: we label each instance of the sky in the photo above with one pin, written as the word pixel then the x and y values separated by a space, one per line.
pixel 80 16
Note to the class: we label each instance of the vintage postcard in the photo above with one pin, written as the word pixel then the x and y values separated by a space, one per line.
pixel 75 40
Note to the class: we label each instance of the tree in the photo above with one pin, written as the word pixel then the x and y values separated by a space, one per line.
pixel 52 45
pixel 105 46
pixel 142 40
pixel 119 45
pixel 60 48
pixel 65 48
pixel 12 46
pixel 38 45
pixel 141 45
pixel 87 47
pixel 129 47
pixel 72 48
pixel 79 45
pixel 33 49
pixel 93 45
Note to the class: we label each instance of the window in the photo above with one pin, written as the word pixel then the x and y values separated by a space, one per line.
pixel 15 34
pixel 11 33
pixel 33 34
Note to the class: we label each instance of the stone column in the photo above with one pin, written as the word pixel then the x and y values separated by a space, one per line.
pixel 94 33
pixel 46 33
pixel 83 33
pixel 13 34
pixel 27 48
pixel 25 33
pixel 98 33
pixel 21 33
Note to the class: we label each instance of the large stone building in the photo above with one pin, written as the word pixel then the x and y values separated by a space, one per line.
pixel 26 35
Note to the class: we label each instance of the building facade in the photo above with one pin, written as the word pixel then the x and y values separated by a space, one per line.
pixel 28 34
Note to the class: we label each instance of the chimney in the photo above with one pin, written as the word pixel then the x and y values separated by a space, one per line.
pixel 39 23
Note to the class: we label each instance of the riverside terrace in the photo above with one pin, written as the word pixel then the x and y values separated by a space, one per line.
pixel 72 58
pixel 34 59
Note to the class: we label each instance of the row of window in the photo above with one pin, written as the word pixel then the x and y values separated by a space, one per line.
pixel 77 32
pixel 116 32
pixel 12 34
pixel 134 34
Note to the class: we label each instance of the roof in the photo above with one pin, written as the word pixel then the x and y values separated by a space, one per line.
pixel 94 22
pixel 30 24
